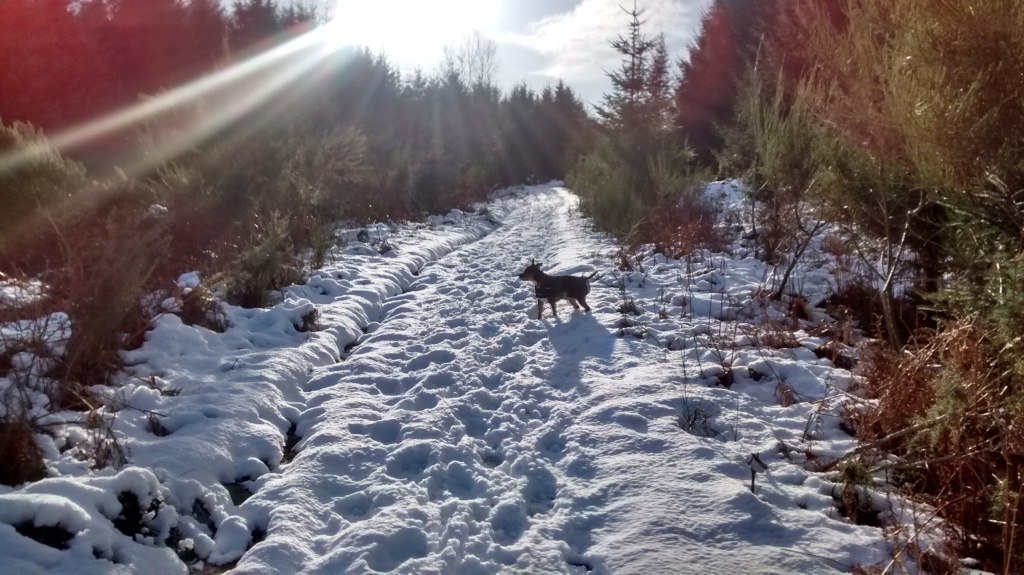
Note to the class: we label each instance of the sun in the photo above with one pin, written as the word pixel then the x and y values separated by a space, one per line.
pixel 411 30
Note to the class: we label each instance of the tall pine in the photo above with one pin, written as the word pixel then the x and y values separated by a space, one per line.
pixel 625 109
pixel 705 98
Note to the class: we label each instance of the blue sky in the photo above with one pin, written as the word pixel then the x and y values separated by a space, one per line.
pixel 539 41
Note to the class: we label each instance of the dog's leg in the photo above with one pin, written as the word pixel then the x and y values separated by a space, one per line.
pixel 572 301
pixel 540 308
pixel 553 310
pixel 583 303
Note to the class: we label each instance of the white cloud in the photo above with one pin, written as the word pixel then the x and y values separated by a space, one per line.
pixel 576 43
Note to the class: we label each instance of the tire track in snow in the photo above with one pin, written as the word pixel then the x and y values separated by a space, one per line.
pixel 438 445
pixel 228 422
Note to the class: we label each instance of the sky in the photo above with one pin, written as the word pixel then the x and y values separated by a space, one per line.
pixel 538 41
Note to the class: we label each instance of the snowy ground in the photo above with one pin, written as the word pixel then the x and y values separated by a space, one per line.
pixel 444 429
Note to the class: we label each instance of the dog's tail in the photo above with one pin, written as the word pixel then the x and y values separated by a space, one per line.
pixel 591 276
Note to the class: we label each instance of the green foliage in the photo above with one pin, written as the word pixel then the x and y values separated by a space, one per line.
pixel 268 264
pixel 774 142
pixel 319 179
pixel 41 178
pixel 638 108
pixel 607 190
pixel 634 182
pixel 675 175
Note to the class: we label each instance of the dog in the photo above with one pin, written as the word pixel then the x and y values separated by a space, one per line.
pixel 554 288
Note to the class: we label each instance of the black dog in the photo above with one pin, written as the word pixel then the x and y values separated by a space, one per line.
pixel 554 288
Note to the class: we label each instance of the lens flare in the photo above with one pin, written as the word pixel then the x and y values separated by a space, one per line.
pixel 231 94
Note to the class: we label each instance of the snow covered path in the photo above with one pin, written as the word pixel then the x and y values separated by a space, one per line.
pixel 465 436
pixel 444 429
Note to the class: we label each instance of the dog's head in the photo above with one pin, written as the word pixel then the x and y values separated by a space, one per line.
pixel 532 272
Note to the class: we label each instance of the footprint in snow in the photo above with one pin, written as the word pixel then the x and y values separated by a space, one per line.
pixel 420 402
pixel 389 386
pixel 474 420
pixel 387 431
pixel 409 461
pixel 456 322
pixel 540 491
pixel 489 330
pixel 353 507
pixel 491 381
pixel 437 356
pixel 492 458
pixel 439 380
pixel 553 444
pixel 509 522
pixel 446 336
pixel 460 481
pixel 530 337
pixel 632 421
pixel 513 363
pixel 397 548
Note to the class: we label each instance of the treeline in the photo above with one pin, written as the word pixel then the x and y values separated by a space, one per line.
pixel 63 62
pixel 347 129
pixel 898 124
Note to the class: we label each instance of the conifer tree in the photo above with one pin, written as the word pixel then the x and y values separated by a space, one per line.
pixel 252 22
pixel 659 86
pixel 145 44
pixel 207 27
pixel 730 38
pixel 625 108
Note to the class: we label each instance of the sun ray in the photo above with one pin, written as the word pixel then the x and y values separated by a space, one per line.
pixel 277 68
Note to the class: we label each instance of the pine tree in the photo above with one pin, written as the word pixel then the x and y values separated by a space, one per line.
pixel 659 86
pixel 626 108
pixel 253 22
pixel 145 44
pixel 207 27
pixel 730 38
pixel 53 70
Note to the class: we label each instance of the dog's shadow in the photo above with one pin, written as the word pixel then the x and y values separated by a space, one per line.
pixel 576 339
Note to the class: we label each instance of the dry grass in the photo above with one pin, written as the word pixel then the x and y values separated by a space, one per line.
pixel 678 229
pixel 102 282
pixel 199 307
pixel 23 460
pixel 772 334
pixel 946 408
pixel 785 394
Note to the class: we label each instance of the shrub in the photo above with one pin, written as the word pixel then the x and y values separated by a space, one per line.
pixel 23 460
pixel 951 409
pixel 38 177
pixel 435 184
pixel 103 281
pixel 267 265
pixel 606 190
pixel 200 307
